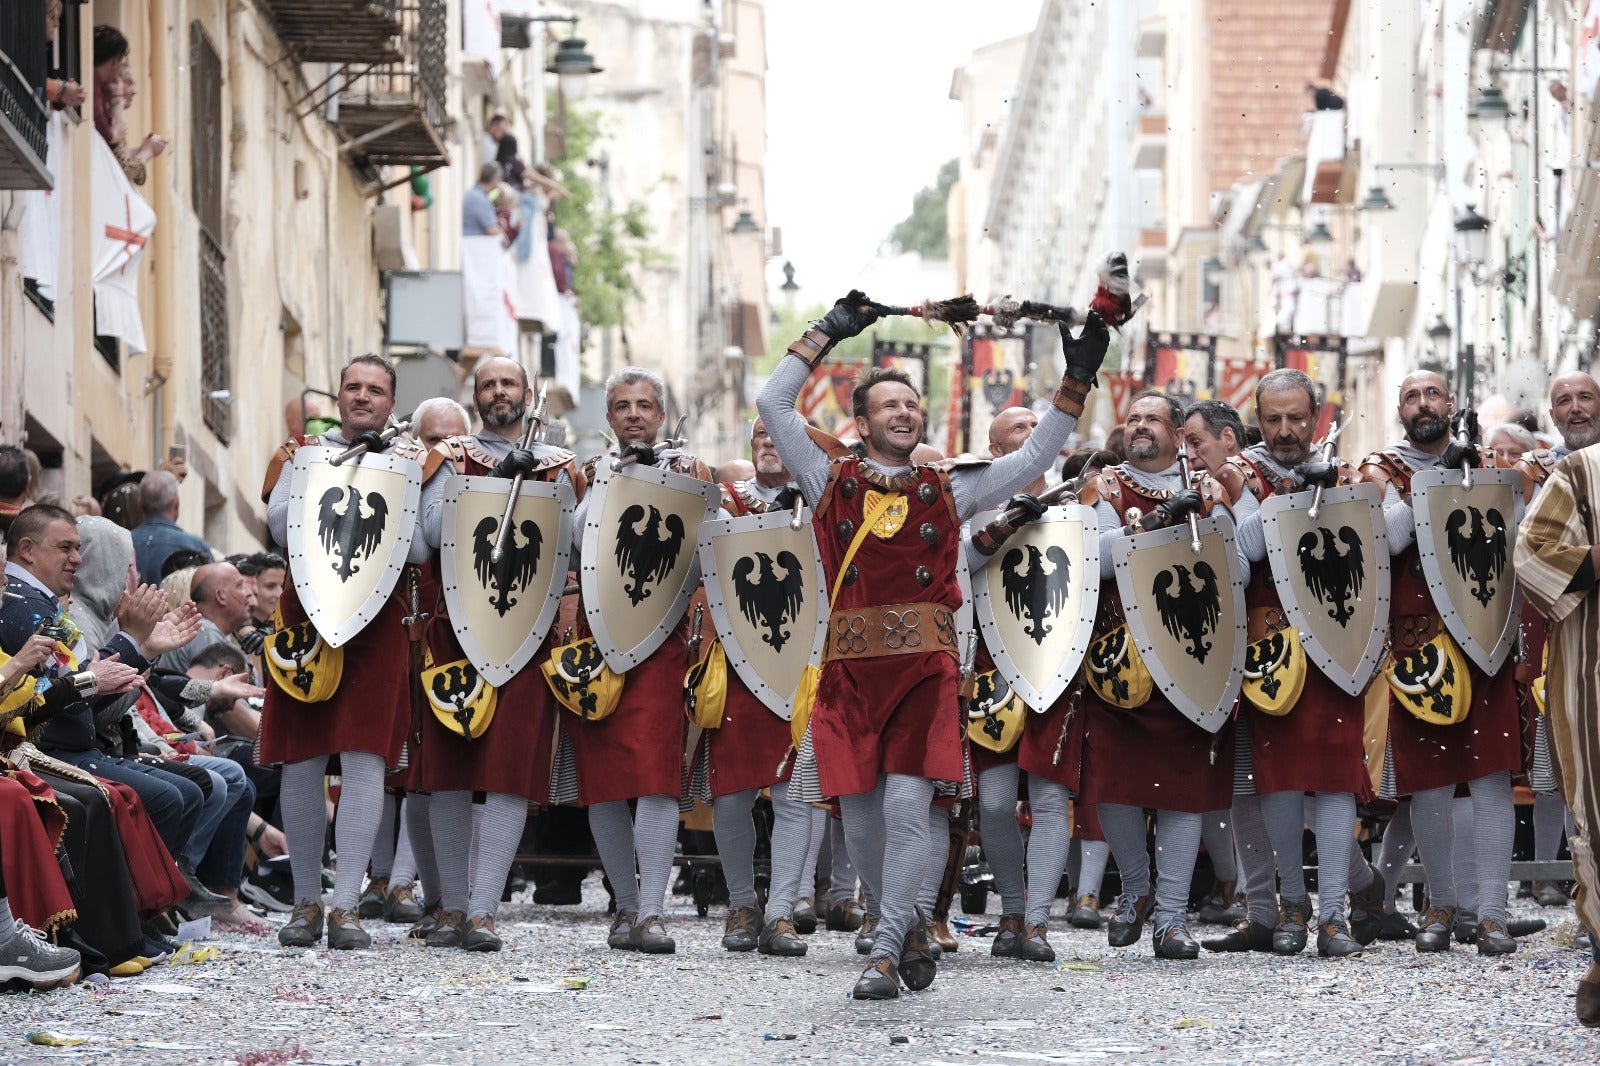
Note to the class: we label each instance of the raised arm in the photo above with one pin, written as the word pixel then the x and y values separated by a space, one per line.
pixel 978 488
pixel 778 403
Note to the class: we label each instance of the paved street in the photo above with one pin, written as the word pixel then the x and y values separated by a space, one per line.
pixel 401 1003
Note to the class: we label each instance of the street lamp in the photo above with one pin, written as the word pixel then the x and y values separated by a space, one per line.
pixel 572 65
pixel 1488 105
pixel 1319 235
pixel 745 229
pixel 1377 200
pixel 1471 240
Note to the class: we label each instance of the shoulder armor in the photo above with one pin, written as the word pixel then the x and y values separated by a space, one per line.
pixel 1239 475
pixel 958 463
pixel 284 454
pixel 836 448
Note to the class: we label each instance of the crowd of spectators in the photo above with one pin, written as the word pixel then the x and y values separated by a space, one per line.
pixel 130 799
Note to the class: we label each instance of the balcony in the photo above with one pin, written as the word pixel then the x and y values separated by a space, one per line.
pixel 1149 151
pixel 338 31
pixel 22 114
pixel 393 114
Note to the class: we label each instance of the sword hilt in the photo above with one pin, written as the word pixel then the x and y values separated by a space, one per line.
pixel 357 450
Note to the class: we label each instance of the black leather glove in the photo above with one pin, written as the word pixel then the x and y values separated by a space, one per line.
pixel 516 461
pixel 849 316
pixel 1087 351
pixel 251 639
pixel 372 439
pixel 785 500
pixel 1043 312
pixel 1318 472
pixel 1183 503
pixel 1460 452
pixel 1023 508
pixel 643 453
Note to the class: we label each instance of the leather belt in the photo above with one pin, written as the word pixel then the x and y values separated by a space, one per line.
pixel 1408 632
pixel 890 629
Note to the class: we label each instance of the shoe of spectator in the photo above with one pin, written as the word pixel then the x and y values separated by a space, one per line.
pixel 426 924
pixel 1549 894
pixel 805 916
pixel 450 931
pixel 400 906
pixel 867 935
pixel 481 935
pixel 304 928
pixel 131 967
pixel 845 916
pixel 25 955
pixel 270 885
pixel 201 901
pixel 157 950
pixel 371 903
pixel 345 932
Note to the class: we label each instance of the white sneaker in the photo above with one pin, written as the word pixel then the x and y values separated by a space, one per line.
pixel 27 956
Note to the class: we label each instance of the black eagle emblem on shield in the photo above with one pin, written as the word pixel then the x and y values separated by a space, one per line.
pixel 1190 609
pixel 517 565
pixel 1334 577
pixel 1478 554
pixel 454 686
pixel 770 601
pixel 351 533
pixel 1037 594
pixel 646 556
pixel 998 384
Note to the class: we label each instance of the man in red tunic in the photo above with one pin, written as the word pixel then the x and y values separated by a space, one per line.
pixel 365 721
pixel 1483 750
pixel 636 753
pixel 885 724
pixel 1316 746
pixel 1139 755
pixel 510 764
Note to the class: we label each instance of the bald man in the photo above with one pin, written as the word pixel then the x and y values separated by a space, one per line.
pixel 1430 761
pixel 225 599
pixel 1575 414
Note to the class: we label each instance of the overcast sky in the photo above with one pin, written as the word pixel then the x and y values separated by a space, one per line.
pixel 859 117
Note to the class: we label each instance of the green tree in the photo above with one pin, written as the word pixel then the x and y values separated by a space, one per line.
pixel 612 240
pixel 924 230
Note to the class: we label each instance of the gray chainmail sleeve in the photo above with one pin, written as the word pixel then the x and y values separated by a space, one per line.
pixel 807 463
pixel 990 485
pixel 1398 519
pixel 1251 533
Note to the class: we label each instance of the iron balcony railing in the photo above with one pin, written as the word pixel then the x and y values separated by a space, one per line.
pixel 23 58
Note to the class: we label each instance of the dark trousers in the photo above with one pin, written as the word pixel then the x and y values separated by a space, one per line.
pixel 172 801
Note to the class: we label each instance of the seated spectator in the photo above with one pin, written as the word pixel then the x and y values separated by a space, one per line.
pixel 267 571
pixel 158 536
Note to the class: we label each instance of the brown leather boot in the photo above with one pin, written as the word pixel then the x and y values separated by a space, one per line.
pixel 1008 938
pixel 939 932
pixel 1588 1003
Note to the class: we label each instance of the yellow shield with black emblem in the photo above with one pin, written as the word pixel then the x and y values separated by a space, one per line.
pixel 302 664
pixel 581 681
pixel 1431 682
pixel 461 698
pixel 995 713
pixel 705 688
pixel 894 516
pixel 1116 672
pixel 1275 672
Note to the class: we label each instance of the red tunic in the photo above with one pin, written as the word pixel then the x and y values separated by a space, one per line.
pixel 750 749
pixel 1318 746
pixel 638 750
pixel 514 756
pixel 371 710
pixel 1489 739
pixel 34 885
pixel 157 882
pixel 893 714
pixel 1149 756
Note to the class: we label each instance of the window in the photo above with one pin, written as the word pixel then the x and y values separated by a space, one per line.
pixel 205 137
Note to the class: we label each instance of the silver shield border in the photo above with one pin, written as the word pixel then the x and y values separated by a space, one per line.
pixel 337 636
pixel 1278 558
pixel 1489 660
pixel 1208 718
pixel 983 603
pixel 618 659
pixel 779 703
pixel 497 674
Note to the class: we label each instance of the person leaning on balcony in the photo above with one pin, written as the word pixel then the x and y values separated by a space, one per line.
pixel 60 93
pixel 478 218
